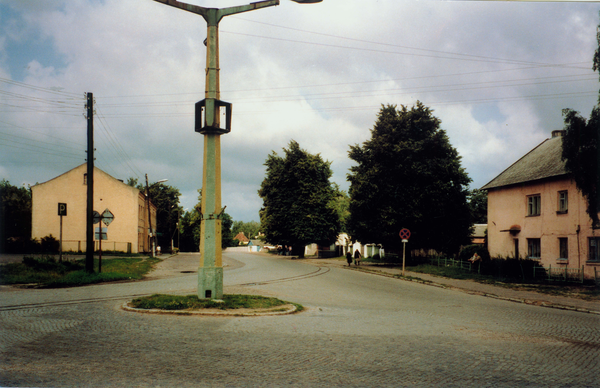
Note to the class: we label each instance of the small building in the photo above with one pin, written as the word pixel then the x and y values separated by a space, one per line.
pixel 241 237
pixel 535 211
pixel 478 237
pixel 128 232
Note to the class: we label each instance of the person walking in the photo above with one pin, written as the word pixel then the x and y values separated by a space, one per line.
pixel 356 257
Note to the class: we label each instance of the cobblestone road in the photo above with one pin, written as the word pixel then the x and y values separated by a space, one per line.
pixel 359 330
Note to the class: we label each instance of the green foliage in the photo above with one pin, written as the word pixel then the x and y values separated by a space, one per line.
pixel 190 228
pixel 341 204
pixel 15 217
pixel 180 302
pixel 467 252
pixel 190 224
pixel 250 229
pixel 226 233
pixel 477 200
pixel 166 200
pixel 580 153
pixel 298 200
pixel 408 176
pixel 47 272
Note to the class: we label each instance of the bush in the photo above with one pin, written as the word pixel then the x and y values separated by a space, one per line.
pixel 467 252
pixel 50 244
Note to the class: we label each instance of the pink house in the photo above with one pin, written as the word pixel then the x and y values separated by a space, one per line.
pixel 535 211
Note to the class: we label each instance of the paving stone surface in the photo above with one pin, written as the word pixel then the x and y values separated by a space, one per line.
pixel 359 330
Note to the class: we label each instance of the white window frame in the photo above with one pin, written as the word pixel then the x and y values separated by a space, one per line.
pixel 534 205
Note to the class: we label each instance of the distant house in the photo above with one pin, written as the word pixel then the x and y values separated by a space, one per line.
pixel 479 234
pixel 128 232
pixel 241 237
pixel 535 211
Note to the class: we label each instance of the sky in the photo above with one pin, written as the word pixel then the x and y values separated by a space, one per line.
pixel 497 74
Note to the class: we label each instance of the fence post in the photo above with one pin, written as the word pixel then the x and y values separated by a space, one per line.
pixel 566 275
pixel 582 268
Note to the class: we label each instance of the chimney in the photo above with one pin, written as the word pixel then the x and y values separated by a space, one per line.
pixel 558 133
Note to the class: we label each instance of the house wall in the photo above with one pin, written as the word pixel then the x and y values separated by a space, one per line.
pixel 507 206
pixel 109 193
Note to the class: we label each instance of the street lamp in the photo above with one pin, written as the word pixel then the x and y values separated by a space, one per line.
pixel 150 231
pixel 208 123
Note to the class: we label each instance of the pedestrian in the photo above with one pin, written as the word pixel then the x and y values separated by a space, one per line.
pixel 356 257
pixel 349 258
pixel 290 250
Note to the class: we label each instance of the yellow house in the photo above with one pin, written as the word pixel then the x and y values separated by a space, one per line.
pixel 128 232
pixel 535 211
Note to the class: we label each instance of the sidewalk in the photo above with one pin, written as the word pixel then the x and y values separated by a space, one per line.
pixel 475 288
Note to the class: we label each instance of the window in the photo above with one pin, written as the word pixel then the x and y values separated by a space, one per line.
pixel 533 248
pixel 85 179
pixel 563 249
pixel 534 205
pixel 563 201
pixel 593 254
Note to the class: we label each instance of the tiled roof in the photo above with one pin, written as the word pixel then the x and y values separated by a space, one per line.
pixel 544 161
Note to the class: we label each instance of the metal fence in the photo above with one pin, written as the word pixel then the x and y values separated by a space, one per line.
pixel 450 262
pixel 107 245
pixel 564 274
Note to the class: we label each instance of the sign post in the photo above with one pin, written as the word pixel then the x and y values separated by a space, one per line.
pixel 404 235
pixel 62 211
pixel 106 218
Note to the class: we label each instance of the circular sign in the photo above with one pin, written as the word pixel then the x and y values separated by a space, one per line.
pixel 96 217
pixel 405 234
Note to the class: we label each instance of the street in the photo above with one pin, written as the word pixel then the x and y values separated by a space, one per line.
pixel 358 330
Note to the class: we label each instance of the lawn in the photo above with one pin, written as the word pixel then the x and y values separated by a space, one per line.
pixel 47 272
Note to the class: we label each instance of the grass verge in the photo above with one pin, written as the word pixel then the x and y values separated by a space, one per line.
pixel 192 302
pixel 47 272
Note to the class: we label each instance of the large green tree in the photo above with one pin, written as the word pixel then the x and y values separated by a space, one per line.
pixel 581 151
pixel 15 216
pixel 407 175
pixel 166 200
pixel 477 200
pixel 297 196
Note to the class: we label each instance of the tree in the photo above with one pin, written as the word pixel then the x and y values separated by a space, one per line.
pixel 189 227
pixel 250 229
pixel 581 152
pixel 408 176
pixel 477 200
pixel 297 196
pixel 341 204
pixel 166 200
pixel 15 215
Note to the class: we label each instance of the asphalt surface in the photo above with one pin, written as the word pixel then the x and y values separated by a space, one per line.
pixel 359 330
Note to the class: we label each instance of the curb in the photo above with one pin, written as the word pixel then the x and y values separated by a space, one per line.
pixel 289 309
pixel 471 292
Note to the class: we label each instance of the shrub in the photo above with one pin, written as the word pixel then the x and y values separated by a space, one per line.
pixel 467 252
pixel 50 244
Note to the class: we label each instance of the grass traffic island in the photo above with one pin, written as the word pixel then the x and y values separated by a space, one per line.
pixel 231 305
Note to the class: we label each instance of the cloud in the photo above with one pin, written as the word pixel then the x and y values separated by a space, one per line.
pixel 497 74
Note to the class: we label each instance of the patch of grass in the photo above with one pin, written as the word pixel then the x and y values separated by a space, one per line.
pixel 449 272
pixel 192 302
pixel 47 272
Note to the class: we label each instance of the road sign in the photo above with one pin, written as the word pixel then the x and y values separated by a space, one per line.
pixel 96 217
pixel 107 217
pixel 101 236
pixel 405 234
pixel 62 209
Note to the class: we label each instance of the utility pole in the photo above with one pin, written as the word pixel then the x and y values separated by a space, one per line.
pixel 208 123
pixel 89 235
